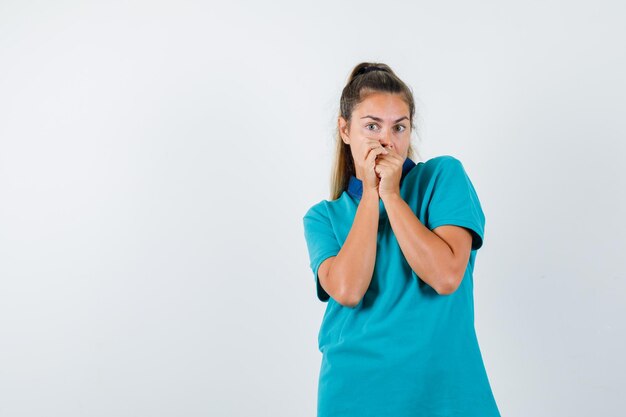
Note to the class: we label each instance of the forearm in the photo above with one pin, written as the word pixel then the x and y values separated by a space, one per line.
pixel 353 266
pixel 429 256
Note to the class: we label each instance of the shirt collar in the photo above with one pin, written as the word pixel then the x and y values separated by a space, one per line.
pixel 355 185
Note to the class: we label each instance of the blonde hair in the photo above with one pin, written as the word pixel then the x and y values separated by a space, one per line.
pixel 365 78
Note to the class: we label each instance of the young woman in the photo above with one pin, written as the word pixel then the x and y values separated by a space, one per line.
pixel 392 253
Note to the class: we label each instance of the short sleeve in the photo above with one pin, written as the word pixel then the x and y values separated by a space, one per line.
pixel 321 242
pixel 454 200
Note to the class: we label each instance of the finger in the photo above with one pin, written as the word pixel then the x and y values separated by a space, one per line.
pixel 389 159
pixel 370 161
pixel 375 143
pixel 392 151
pixel 391 156
pixel 385 163
pixel 374 153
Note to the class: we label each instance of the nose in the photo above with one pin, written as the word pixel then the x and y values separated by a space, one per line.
pixel 385 139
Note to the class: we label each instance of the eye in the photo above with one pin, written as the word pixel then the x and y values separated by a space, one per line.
pixel 370 124
pixel 401 128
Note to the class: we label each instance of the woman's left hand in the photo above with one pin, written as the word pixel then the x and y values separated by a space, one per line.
pixel 389 170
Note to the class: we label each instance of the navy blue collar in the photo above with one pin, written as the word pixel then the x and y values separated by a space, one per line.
pixel 355 185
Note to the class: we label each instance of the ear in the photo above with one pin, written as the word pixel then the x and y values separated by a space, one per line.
pixel 343 130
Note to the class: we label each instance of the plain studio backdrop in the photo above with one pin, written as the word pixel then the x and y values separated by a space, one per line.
pixel 157 158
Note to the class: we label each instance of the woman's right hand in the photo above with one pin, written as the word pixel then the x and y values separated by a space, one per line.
pixel 371 148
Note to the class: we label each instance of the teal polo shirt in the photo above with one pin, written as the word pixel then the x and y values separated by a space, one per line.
pixel 404 350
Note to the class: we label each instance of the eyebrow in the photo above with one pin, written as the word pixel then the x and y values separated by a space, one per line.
pixel 378 119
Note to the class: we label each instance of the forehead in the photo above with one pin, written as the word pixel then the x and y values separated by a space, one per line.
pixel 385 105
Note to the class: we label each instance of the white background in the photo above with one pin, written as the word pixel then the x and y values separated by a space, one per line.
pixel 156 159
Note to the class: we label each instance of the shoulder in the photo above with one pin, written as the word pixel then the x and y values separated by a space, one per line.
pixel 443 165
pixel 442 161
pixel 323 208
pixel 337 210
pixel 318 209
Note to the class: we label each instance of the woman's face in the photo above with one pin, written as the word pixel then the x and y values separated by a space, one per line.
pixel 381 116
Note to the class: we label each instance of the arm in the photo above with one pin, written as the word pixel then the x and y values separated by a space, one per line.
pixel 438 257
pixel 347 276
